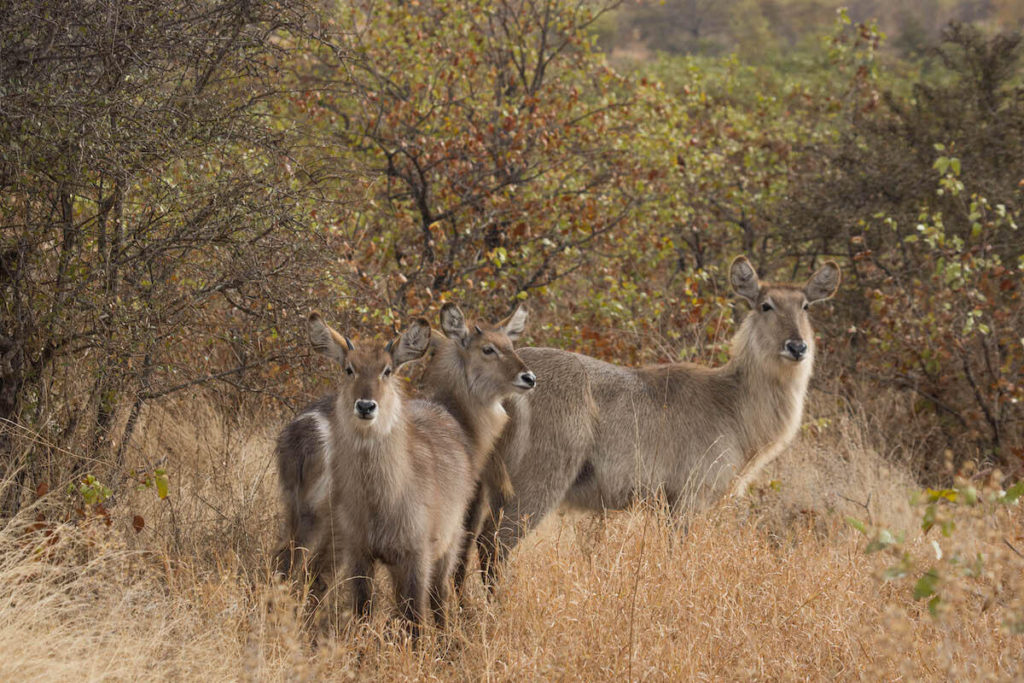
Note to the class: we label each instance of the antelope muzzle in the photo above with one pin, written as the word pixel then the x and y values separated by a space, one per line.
pixel 526 380
pixel 795 349
pixel 366 410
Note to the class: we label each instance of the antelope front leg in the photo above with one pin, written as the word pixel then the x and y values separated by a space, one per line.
pixel 411 578
pixel 471 529
pixel 440 585
pixel 362 586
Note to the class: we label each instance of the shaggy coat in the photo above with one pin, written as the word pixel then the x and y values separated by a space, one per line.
pixel 368 476
pixel 470 374
pixel 597 436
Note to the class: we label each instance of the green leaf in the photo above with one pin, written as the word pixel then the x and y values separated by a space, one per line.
pixel 1013 493
pixel 928 521
pixel 897 571
pixel 926 585
pixel 970 495
pixel 938 494
pixel 857 524
pixel 160 477
pixel 875 546
pixel 933 606
pixel 883 540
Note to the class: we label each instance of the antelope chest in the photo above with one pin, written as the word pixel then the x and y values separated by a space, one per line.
pixel 393 532
pixel 791 414
pixel 493 422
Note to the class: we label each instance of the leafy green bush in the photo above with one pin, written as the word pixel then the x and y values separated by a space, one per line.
pixel 969 560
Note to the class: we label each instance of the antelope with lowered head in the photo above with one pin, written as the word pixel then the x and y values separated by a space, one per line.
pixel 596 435
pixel 470 374
pixel 368 475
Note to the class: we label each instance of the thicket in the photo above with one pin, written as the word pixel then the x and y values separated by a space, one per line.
pixel 150 230
pixel 922 191
pixel 180 182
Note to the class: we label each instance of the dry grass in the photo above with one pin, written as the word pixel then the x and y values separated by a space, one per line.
pixel 774 587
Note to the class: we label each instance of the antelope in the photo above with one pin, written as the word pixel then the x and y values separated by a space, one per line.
pixel 470 374
pixel 597 436
pixel 368 475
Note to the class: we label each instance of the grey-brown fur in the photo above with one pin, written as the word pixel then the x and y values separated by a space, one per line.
pixel 596 435
pixel 397 476
pixel 472 370
pixel 302 470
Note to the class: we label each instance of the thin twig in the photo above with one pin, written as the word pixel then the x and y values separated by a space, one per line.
pixel 857 502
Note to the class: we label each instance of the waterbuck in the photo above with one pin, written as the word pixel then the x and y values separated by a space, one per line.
pixel 368 475
pixel 596 436
pixel 470 373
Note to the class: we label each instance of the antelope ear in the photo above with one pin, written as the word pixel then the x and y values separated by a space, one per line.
pixel 514 325
pixel 327 340
pixel 744 280
pixel 413 343
pixel 824 283
pixel 453 323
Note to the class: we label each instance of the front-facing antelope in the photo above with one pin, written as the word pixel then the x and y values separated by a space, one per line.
pixel 596 435
pixel 370 476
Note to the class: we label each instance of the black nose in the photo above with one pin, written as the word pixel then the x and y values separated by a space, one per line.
pixel 796 348
pixel 366 409
pixel 529 379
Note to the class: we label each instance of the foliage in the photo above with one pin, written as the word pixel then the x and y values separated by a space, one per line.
pixel 180 182
pixel 963 515
pixel 951 331
pixel 147 221
pixel 922 196
pixel 482 136
pixel 766 30
pixel 91 490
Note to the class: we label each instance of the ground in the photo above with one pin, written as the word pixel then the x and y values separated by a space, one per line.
pixel 774 586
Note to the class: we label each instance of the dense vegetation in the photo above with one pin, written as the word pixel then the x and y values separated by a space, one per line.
pixel 181 182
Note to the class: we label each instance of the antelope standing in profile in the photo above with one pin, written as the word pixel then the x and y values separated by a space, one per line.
pixel 370 476
pixel 596 436
pixel 471 372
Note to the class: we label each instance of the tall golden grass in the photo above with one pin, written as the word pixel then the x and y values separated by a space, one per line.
pixel 775 586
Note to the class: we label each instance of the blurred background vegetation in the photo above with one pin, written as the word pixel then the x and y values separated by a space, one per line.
pixel 181 182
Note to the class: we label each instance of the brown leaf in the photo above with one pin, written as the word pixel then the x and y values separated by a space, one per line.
pixel 42 489
pixel 137 523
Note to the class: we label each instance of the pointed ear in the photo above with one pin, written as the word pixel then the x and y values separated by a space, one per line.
pixel 326 340
pixel 824 283
pixel 413 343
pixel 453 323
pixel 744 280
pixel 514 325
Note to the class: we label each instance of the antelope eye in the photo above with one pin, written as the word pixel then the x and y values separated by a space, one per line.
pixel 488 350
pixel 349 371
pixel 767 307
pixel 387 372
